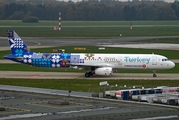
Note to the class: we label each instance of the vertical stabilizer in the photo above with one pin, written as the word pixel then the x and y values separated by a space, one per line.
pixel 18 47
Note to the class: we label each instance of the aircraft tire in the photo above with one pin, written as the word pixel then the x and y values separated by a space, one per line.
pixel 87 74
pixel 154 75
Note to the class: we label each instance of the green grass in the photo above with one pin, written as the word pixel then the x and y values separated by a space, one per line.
pixel 24 67
pixel 91 28
pixel 83 85
pixel 85 23
pixel 93 31
pixel 171 54
pixel 2 53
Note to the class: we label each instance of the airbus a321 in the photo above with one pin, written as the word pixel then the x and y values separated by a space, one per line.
pixel 99 64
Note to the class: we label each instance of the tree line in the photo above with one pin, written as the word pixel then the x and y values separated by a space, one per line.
pixel 87 10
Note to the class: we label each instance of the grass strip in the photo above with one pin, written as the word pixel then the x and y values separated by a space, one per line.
pixel 86 23
pixel 91 28
pixel 92 31
pixel 85 85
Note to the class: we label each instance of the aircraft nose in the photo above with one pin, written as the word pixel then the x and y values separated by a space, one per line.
pixel 172 64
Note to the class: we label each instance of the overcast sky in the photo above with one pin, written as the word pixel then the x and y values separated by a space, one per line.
pixel 120 0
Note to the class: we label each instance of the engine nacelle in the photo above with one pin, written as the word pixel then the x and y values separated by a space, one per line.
pixel 103 71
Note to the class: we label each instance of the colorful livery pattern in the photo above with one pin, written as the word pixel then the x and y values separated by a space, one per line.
pixel 100 64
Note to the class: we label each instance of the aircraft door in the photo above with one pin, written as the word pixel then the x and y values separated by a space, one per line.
pixel 154 60
pixel 119 60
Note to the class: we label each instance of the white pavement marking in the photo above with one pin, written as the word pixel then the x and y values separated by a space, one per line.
pixel 147 46
pixel 158 118
pixel 22 116
pixel 7 62
pixel 58 113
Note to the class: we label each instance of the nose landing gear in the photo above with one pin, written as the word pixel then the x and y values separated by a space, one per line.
pixel 154 73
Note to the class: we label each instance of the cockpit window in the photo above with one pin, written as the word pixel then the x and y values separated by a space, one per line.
pixel 164 59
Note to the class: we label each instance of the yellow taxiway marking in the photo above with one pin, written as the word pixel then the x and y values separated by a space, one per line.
pixel 43 95
pixel 78 77
pixel 10 112
pixel 17 109
pixel 60 106
pixel 42 105
pixel 82 104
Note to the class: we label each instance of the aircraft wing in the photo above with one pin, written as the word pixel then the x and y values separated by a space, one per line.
pixel 88 66
pixel 91 65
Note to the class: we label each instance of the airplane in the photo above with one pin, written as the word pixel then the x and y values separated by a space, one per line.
pixel 99 64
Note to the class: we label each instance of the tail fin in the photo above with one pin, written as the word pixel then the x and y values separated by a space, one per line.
pixel 18 47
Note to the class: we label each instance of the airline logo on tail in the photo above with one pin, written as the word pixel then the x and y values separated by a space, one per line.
pixel 16 43
pixel 17 46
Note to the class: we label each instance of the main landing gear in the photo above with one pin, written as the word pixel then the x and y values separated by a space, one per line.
pixel 154 74
pixel 90 73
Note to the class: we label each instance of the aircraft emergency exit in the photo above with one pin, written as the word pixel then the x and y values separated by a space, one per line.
pixel 99 64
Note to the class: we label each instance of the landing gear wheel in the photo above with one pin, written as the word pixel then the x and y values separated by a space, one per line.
pixel 87 74
pixel 154 75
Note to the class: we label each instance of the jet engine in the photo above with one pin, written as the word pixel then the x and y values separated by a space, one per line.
pixel 103 71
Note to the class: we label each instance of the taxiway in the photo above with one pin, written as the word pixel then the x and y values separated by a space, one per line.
pixel 33 42
pixel 71 75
